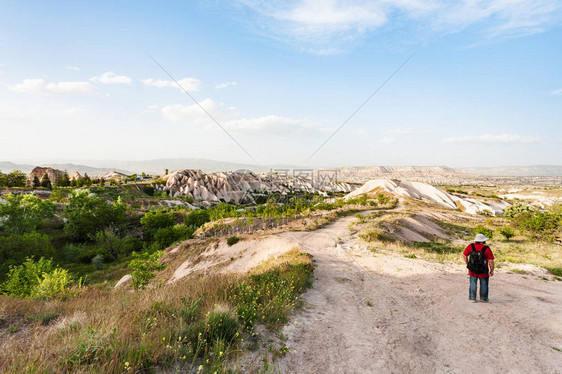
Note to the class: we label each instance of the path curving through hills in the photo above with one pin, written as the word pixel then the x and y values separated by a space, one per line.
pixel 383 313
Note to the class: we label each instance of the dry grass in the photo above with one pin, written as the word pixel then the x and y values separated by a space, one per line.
pixel 122 331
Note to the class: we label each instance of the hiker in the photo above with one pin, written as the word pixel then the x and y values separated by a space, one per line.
pixel 480 263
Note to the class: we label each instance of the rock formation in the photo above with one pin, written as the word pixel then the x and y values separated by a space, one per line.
pixel 53 174
pixel 240 187
pixel 427 192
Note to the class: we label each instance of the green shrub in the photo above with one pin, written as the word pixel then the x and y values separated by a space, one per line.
pixel 541 225
pixel 143 268
pixel 222 324
pixel 436 247
pixel 157 219
pixel 377 235
pixel 507 232
pixel 480 229
pixel 97 261
pixel 232 240
pixel 167 236
pixel 23 279
pixel 15 248
pixel 53 284
pixel 554 271
pixel 23 213
pixel 38 279
pixel 87 213
pixel 516 209
pixel 197 218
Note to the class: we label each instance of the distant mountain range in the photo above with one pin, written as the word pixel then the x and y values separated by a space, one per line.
pixel 6 166
pixel 159 166
pixel 517 171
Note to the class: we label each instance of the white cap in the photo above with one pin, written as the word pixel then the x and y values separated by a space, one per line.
pixel 480 238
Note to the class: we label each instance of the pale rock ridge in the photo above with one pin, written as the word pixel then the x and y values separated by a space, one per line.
pixel 427 192
pixel 239 187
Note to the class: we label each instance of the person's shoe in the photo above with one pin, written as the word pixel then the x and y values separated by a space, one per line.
pixel 485 301
pixel 473 300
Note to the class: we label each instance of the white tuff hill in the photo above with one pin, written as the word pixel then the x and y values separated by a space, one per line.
pixel 427 192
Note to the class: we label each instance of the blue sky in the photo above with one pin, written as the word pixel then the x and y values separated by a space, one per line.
pixel 484 87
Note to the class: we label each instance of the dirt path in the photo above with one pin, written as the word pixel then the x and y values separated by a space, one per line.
pixel 383 313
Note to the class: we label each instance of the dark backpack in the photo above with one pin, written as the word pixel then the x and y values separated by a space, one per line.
pixel 477 260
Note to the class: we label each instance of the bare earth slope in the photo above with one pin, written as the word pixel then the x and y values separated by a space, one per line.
pixel 420 319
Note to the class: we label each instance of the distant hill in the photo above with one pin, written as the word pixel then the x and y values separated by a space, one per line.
pixel 517 171
pixel 160 165
pixel 6 166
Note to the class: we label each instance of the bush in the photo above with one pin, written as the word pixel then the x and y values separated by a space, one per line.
pixel 222 324
pixel 516 209
pixel 87 213
pixel 15 248
pixel 25 212
pixel 143 268
pixel 197 218
pixel 541 225
pixel 53 284
pixel 38 279
pixel 23 279
pixel 436 247
pixel 507 232
pixel 165 237
pixel 480 229
pixel 232 240
pixel 113 244
pixel 97 261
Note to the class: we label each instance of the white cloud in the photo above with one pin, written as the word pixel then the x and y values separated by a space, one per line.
pixel 226 84
pixel 489 138
pixel 151 109
pixel 385 141
pixel 110 77
pixel 361 131
pixel 75 68
pixel 556 92
pixel 405 131
pixel 270 124
pixel 41 87
pixel 189 84
pixel 329 26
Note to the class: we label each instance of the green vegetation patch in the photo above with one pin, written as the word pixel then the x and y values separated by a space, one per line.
pixel 435 247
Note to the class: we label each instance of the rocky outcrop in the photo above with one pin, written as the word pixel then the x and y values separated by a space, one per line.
pixel 53 174
pixel 427 192
pixel 240 187
pixel 110 175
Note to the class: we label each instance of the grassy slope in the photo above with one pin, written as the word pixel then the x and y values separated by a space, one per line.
pixel 196 321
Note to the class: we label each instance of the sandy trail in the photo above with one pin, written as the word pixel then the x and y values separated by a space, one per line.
pixel 420 320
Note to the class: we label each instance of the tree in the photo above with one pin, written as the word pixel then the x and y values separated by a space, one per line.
pixel 25 212
pixel 143 267
pixel 45 181
pixel 507 232
pixel 3 179
pixel 154 220
pixel 16 179
pixel 87 213
pixel 113 244
pixel 197 218
pixel 14 248
pixel 36 182
pixel 65 180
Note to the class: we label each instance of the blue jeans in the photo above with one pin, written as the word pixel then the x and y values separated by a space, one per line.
pixel 483 288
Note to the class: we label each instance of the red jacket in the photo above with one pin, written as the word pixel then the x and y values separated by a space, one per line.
pixel 488 254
